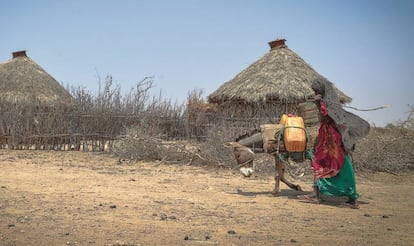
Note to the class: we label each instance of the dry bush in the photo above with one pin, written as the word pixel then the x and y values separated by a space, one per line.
pixel 110 113
pixel 213 150
pixel 389 149
pixel 409 122
pixel 199 115
pixel 137 145
pixel 201 132
pixel 386 149
pixel 140 144
pixel 190 138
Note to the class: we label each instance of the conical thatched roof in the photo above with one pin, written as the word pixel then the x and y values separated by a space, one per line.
pixel 279 76
pixel 22 81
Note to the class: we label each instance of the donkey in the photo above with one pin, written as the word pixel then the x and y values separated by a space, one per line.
pixel 246 146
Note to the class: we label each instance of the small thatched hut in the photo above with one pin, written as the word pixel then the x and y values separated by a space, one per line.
pixel 31 101
pixel 24 82
pixel 270 87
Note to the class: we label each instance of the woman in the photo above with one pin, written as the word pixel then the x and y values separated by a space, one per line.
pixel 339 130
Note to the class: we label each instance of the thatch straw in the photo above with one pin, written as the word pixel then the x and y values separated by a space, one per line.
pixel 279 76
pixel 22 81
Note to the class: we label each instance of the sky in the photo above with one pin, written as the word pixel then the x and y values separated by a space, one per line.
pixel 365 47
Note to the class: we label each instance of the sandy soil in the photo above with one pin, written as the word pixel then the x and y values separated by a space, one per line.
pixel 75 198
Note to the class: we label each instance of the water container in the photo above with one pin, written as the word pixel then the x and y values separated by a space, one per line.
pixel 283 119
pixel 294 135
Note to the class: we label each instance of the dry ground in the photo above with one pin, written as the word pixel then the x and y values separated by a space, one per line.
pixel 75 198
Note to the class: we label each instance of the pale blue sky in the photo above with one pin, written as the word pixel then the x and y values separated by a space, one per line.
pixel 365 47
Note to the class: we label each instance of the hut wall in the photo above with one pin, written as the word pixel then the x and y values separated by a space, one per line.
pixel 233 120
pixel 268 113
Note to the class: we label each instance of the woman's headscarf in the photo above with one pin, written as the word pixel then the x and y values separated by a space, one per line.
pixel 350 126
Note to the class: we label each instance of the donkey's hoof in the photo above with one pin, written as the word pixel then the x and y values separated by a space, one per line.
pixel 298 188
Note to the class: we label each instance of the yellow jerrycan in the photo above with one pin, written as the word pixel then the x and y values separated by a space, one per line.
pixel 294 135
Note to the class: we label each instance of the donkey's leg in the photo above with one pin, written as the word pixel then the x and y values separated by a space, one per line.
pixel 284 180
pixel 278 174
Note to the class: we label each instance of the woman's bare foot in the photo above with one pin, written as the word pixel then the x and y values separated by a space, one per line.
pixel 311 198
pixel 351 203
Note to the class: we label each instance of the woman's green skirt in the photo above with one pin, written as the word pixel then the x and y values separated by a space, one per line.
pixel 343 184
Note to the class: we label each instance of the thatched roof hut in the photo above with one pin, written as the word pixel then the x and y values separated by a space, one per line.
pixel 274 84
pixel 23 82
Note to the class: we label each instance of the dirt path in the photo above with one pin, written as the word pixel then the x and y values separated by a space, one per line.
pixel 72 198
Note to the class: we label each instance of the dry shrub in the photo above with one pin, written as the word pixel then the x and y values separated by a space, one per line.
pixel 387 150
pixel 111 113
pixel 213 150
pixel 195 136
pixel 138 145
pixel 409 122
pixel 199 115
